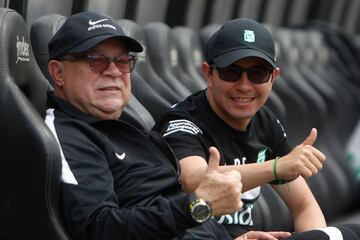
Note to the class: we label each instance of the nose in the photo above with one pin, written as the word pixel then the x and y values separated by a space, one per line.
pixel 243 83
pixel 244 79
pixel 113 70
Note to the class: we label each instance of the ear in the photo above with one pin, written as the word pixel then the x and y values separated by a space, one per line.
pixel 276 74
pixel 56 70
pixel 206 69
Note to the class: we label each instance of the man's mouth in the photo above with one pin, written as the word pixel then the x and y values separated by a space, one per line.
pixel 242 100
pixel 110 88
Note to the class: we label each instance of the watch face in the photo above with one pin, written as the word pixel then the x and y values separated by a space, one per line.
pixel 202 212
pixel 199 209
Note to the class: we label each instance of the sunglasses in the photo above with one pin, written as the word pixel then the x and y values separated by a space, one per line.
pixel 256 74
pixel 99 63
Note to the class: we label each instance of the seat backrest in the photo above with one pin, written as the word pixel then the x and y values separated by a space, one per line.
pixel 220 11
pixel 41 32
pixel 207 31
pixel 150 10
pixel 190 55
pixel 143 65
pixel 195 14
pixel 250 9
pixel 30 158
pixel 146 85
pixel 164 57
pixel 38 8
pixel 113 8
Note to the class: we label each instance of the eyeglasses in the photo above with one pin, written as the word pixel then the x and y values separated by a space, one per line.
pixel 99 63
pixel 256 74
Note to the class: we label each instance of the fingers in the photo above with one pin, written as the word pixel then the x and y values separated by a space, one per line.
pixel 311 138
pixel 319 155
pixel 304 160
pixel 310 167
pixel 314 161
pixel 257 235
pixel 317 161
pixel 280 234
pixel 214 159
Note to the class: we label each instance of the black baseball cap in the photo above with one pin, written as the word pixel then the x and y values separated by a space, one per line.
pixel 84 30
pixel 240 38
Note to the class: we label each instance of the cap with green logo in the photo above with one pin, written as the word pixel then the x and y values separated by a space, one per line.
pixel 240 38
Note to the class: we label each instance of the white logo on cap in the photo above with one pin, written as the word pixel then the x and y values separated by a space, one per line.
pixel 249 36
pixel 95 24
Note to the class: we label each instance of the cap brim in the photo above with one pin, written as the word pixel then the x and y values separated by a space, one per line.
pixel 131 44
pixel 228 58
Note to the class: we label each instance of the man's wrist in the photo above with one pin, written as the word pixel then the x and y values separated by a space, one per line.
pixel 199 209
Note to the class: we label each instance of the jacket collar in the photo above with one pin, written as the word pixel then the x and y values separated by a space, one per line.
pixel 69 109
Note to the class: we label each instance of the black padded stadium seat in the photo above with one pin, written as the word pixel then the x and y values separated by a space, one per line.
pixel 347 91
pixel 343 93
pixel 298 12
pixel 136 114
pixel 297 124
pixel 251 9
pixel 41 32
pixel 113 8
pixel 164 58
pixel 274 12
pixel 38 8
pixel 317 109
pixel 207 31
pixel 277 106
pixel 195 12
pixel 144 67
pixel 48 24
pixel 344 61
pixel 149 11
pixel 330 89
pixel 147 86
pixel 30 158
pixel 335 98
pixel 220 11
pixel 190 54
pixel 324 84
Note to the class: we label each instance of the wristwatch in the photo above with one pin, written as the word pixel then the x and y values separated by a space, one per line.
pixel 199 209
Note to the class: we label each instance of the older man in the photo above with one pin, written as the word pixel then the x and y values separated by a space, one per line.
pixel 120 182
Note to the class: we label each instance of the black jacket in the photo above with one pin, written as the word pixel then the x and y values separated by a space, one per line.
pixel 118 182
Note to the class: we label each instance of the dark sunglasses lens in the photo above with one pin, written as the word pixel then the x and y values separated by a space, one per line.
pixel 258 75
pixel 99 63
pixel 230 74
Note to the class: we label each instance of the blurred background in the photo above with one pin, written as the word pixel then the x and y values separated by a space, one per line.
pixel 317 47
pixel 343 14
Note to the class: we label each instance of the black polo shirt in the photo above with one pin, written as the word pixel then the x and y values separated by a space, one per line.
pixel 191 127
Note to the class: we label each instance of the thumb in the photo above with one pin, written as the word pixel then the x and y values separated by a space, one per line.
pixel 214 159
pixel 310 140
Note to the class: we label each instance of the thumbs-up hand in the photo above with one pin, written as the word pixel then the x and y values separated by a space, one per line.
pixel 310 140
pixel 214 159
pixel 221 190
pixel 304 159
